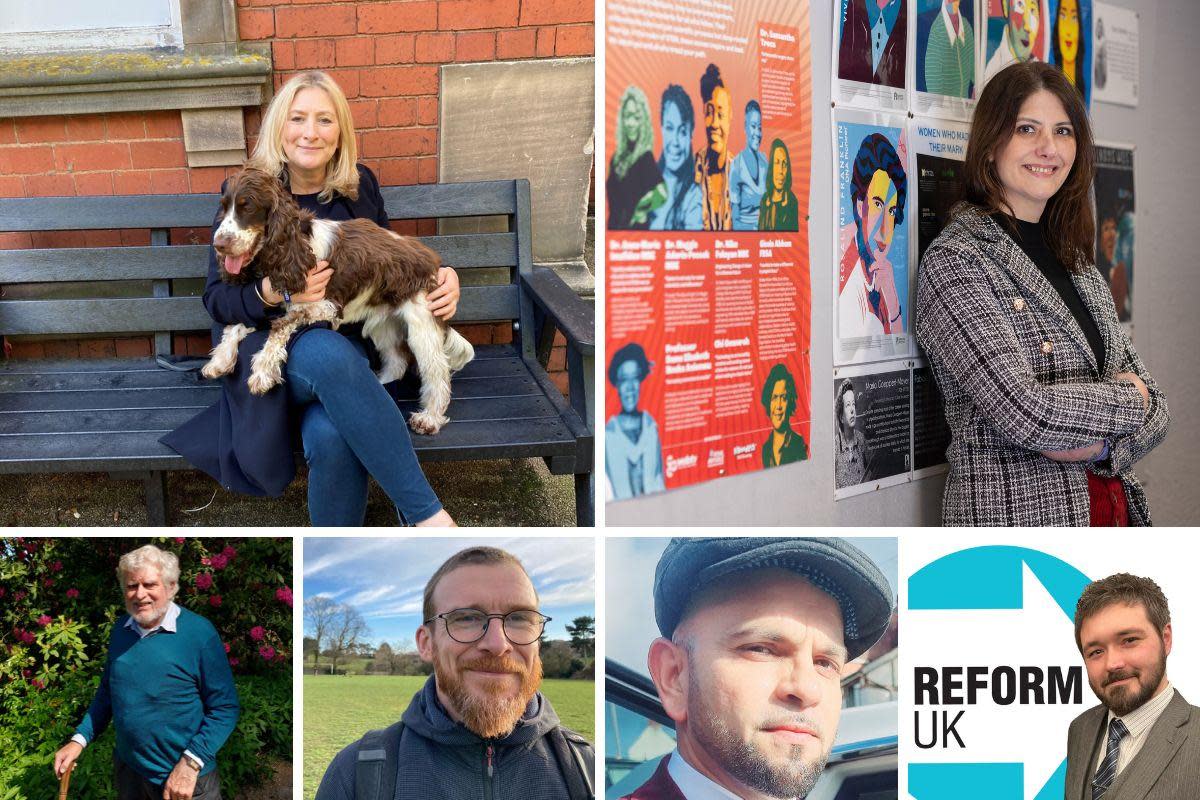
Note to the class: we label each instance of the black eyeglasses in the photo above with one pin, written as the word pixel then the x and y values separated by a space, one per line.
pixel 467 625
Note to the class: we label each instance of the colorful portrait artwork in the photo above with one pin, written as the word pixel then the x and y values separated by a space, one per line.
pixel 632 173
pixel 874 198
pixel 1017 30
pixel 1115 218
pixel 702 181
pixel 873 41
pixel 946 47
pixel 1070 43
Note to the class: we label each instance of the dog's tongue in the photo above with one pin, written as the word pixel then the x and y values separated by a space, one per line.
pixel 234 264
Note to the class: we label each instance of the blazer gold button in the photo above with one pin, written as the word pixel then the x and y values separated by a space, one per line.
pixel 1019 304
pixel 1047 347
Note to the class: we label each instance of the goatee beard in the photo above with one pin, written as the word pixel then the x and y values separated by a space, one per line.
pixel 496 714
pixel 1124 700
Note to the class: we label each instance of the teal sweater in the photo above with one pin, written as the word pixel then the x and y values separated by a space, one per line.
pixel 166 693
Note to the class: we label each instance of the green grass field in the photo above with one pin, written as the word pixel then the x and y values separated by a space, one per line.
pixel 338 710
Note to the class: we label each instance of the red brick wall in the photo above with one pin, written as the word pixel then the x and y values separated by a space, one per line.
pixel 384 55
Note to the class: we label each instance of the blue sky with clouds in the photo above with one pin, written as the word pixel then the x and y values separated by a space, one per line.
pixel 629 565
pixel 385 578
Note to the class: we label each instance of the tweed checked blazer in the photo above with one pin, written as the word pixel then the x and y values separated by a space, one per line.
pixel 1166 768
pixel 1019 378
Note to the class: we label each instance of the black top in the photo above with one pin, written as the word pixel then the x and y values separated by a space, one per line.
pixel 247 443
pixel 1032 239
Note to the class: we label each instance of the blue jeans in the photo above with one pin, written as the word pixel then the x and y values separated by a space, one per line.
pixel 351 427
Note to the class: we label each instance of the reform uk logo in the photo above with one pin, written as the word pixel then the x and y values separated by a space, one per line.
pixel 995 677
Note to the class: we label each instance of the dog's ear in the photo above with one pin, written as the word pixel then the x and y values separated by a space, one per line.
pixel 286 255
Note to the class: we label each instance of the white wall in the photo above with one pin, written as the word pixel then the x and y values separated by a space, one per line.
pixel 1166 313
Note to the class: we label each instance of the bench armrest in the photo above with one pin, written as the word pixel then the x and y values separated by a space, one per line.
pixel 574 317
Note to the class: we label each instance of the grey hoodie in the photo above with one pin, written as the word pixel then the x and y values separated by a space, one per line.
pixel 441 760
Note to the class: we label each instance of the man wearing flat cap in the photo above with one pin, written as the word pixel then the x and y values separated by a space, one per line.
pixel 755 635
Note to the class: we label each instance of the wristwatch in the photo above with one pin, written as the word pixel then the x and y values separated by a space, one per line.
pixel 191 762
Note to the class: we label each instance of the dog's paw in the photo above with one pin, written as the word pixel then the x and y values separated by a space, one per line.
pixel 426 422
pixel 214 369
pixel 260 384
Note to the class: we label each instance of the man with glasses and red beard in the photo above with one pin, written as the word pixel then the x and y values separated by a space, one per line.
pixel 479 728
pixel 1143 740
pixel 755 635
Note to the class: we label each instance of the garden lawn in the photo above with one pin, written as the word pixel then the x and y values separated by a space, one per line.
pixel 340 709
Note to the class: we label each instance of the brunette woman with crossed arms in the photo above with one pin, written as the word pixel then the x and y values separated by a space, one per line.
pixel 1048 403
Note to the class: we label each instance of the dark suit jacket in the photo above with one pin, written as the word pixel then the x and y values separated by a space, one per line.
pixel 659 787
pixel 1166 768
pixel 854 55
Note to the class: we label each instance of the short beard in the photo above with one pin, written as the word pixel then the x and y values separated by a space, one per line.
pixel 1123 701
pixel 494 716
pixel 745 762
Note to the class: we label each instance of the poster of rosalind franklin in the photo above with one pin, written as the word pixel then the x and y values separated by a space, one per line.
pixel 874 202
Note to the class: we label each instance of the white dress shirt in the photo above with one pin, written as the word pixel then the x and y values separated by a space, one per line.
pixel 692 783
pixel 168 625
pixel 1139 722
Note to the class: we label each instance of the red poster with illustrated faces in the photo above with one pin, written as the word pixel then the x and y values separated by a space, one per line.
pixel 707 301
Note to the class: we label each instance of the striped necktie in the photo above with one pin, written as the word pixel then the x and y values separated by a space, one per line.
pixel 1108 767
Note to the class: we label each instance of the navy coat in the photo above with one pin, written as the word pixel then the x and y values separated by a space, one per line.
pixel 248 443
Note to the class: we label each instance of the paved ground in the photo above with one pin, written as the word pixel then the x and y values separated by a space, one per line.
pixel 501 493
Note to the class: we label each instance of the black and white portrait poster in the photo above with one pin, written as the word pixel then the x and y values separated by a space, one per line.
pixel 872 429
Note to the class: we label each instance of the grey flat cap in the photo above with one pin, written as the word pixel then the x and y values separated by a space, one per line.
pixel 835 566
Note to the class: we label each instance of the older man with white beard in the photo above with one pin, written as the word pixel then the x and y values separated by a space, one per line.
pixel 479 728
pixel 166 687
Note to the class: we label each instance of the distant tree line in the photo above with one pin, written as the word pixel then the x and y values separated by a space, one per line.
pixel 337 633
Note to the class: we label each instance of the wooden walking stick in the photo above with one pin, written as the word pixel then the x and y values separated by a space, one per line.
pixel 64 782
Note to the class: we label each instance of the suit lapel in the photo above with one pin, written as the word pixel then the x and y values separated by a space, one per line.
pixel 1163 742
pixel 1010 257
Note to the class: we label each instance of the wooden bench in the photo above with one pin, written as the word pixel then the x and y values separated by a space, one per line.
pixel 106 415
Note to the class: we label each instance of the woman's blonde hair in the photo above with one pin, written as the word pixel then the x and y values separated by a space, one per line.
pixel 341 174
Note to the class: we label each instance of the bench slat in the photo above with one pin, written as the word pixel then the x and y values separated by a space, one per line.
pixel 180 397
pixel 64 452
pixel 144 314
pixel 133 315
pixel 481 198
pixel 103 264
pixel 480 303
pixel 156 377
pixel 461 251
pixel 95 213
pixel 474 199
pixel 166 419
pixel 200 396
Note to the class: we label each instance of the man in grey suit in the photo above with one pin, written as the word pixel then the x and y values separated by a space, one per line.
pixel 1143 741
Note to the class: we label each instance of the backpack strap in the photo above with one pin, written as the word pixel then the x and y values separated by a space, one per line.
pixel 576 762
pixel 378 761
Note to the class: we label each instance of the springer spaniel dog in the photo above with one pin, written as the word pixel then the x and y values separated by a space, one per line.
pixel 379 278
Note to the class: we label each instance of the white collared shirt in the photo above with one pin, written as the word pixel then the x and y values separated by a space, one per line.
pixel 168 624
pixel 169 621
pixel 959 36
pixel 693 784
pixel 1139 722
